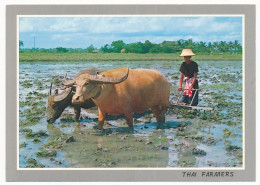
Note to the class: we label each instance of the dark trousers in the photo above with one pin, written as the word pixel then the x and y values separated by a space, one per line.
pixel 186 99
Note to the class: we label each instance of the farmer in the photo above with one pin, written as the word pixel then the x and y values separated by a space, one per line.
pixel 189 71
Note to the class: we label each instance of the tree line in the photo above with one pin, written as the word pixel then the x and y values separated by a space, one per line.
pixel 148 47
pixel 172 47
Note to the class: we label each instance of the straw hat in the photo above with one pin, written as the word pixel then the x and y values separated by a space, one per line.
pixel 187 52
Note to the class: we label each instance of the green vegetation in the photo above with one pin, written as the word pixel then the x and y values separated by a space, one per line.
pixel 172 47
pixel 30 121
pixel 36 140
pixel 90 48
pixel 20 44
pixel 147 47
pixel 95 149
pixel 32 56
pixel 120 51
pixel 46 153
pixel 32 163
pixel 23 145
pixel 54 144
pixel 40 133
pixel 232 148
pixel 66 117
pixel 227 133
pixel 186 161
pixel 117 146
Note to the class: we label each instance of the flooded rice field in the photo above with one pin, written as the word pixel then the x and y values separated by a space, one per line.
pixel 188 138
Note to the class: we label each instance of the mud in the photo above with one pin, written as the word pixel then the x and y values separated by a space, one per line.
pixel 186 139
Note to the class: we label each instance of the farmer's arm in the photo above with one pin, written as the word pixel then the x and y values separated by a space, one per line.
pixel 195 78
pixel 181 80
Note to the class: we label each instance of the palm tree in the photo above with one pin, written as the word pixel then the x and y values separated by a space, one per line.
pixel 216 46
pixel 20 44
pixel 236 45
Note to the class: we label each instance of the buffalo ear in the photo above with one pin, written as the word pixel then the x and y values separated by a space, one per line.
pixel 69 83
pixel 98 74
pixel 63 95
pixel 56 91
pixel 108 80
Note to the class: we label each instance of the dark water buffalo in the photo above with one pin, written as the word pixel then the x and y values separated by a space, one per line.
pixel 59 101
pixel 124 91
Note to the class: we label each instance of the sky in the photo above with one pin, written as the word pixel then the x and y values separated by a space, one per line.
pixel 81 32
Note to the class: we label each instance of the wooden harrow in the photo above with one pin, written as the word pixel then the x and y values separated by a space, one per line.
pixel 177 104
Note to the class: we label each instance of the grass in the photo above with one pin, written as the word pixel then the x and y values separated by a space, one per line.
pixel 30 56
pixel 46 153
pixel 40 133
pixel 53 145
pixel 232 148
pixel 23 145
pixel 32 163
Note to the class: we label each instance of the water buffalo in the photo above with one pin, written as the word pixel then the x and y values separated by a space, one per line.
pixel 123 91
pixel 58 102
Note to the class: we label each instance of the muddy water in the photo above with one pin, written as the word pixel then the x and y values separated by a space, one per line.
pixel 186 139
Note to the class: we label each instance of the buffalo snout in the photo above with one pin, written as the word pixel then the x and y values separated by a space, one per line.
pixel 77 99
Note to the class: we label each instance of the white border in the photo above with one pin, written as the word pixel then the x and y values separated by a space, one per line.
pixel 147 15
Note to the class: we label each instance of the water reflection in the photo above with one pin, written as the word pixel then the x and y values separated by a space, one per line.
pixel 170 144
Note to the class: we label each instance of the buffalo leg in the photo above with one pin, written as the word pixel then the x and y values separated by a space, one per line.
pixel 129 120
pixel 158 112
pixel 101 119
pixel 162 114
pixel 77 112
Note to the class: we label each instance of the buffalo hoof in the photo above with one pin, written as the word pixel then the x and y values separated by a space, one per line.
pixel 50 120
pixel 161 119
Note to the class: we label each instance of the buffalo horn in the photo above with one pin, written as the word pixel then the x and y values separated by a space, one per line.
pixel 50 89
pixel 63 95
pixel 108 80
pixel 69 83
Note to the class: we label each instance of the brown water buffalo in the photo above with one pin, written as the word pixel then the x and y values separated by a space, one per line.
pixel 58 102
pixel 124 91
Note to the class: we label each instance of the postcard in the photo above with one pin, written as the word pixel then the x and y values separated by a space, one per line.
pixel 130 93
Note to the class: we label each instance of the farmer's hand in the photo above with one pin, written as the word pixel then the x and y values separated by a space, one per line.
pixel 180 88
